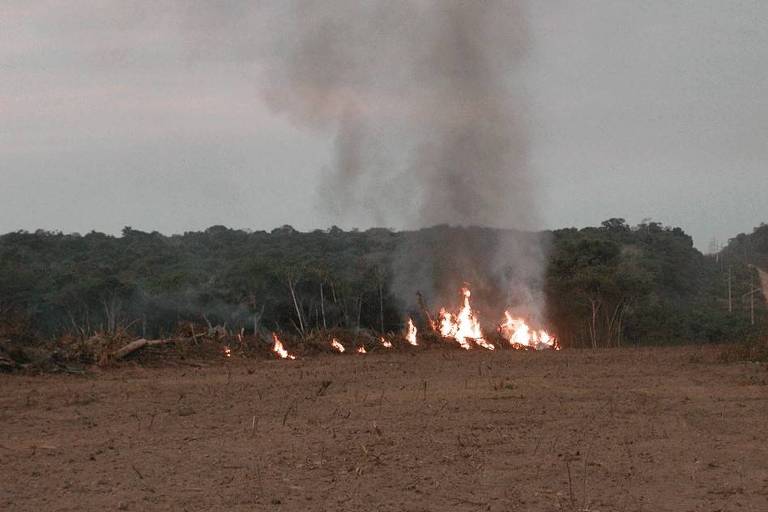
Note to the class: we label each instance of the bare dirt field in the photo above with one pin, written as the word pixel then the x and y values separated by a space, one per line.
pixel 438 430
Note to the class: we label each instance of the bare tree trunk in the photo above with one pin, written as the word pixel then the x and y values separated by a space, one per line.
pixel 257 320
pixel 381 308
pixel 296 305
pixel 593 325
pixel 425 312
pixel 752 291
pixel 345 312
pixel 111 311
pixel 322 305
pixel 730 292
pixel 359 310
pixel 620 324
pixel 612 325
pixel 136 345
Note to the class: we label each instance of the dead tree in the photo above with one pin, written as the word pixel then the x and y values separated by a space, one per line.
pixel 425 311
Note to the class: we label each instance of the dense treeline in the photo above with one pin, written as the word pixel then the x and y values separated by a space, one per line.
pixel 615 284
pixel 604 286
pixel 750 249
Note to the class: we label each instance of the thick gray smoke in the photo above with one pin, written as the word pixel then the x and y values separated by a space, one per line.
pixel 425 104
pixel 421 96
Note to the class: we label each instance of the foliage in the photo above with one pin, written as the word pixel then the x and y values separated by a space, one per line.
pixel 604 286
pixel 647 284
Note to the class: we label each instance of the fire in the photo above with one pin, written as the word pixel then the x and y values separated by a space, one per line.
pixel 482 343
pixel 410 335
pixel 338 347
pixel 463 326
pixel 278 349
pixel 227 351
pixel 517 331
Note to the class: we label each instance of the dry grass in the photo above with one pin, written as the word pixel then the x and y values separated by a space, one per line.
pixel 750 350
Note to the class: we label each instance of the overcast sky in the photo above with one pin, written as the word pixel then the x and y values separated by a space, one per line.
pixel 118 113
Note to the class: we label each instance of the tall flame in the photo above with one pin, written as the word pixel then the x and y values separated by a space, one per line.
pixel 410 335
pixel 463 326
pixel 278 349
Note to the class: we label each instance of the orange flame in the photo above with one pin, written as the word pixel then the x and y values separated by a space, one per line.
pixel 386 343
pixel 338 347
pixel 519 334
pixel 486 345
pixel 410 335
pixel 361 350
pixel 227 351
pixel 278 349
pixel 463 326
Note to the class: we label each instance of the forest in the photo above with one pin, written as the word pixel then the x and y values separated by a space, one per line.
pixel 610 285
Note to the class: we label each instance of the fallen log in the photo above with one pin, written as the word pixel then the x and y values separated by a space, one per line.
pixel 136 345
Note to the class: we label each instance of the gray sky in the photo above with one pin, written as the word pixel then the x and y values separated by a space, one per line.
pixel 147 114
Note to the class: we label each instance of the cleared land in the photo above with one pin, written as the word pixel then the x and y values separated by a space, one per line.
pixel 651 429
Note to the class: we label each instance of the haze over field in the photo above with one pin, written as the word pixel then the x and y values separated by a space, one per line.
pixel 164 115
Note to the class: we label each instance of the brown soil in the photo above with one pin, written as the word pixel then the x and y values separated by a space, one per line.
pixel 651 429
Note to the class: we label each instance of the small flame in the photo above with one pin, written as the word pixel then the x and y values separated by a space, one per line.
pixel 361 350
pixel 486 345
pixel 410 336
pixel 338 347
pixel 517 331
pixel 278 349
pixel 227 351
pixel 385 343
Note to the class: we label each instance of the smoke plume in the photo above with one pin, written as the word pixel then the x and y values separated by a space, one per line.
pixel 425 104
pixel 428 115
pixel 421 95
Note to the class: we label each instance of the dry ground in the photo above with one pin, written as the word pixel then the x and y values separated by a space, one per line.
pixel 651 429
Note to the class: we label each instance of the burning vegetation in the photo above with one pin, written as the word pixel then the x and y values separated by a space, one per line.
pixel 462 328
pixel 279 349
